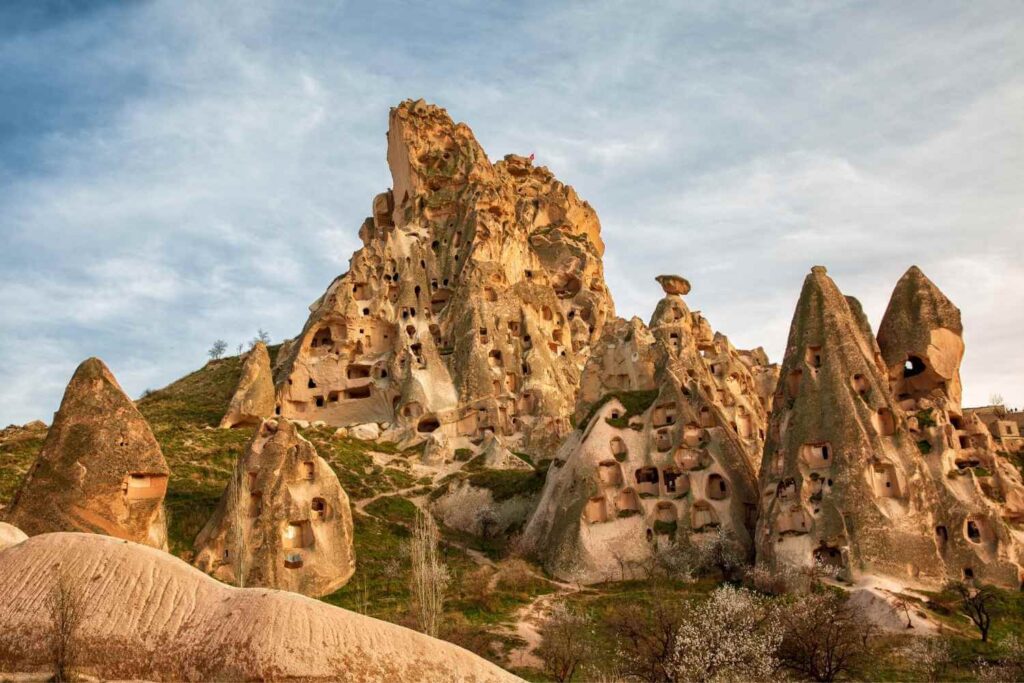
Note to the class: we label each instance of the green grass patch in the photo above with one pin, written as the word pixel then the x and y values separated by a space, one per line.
pixel 394 509
pixel 635 403
pixel 506 484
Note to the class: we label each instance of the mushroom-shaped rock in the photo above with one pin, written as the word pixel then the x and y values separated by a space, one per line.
pixel 100 469
pixel 10 535
pixel 149 616
pixel 674 284
pixel 283 520
pixel 254 398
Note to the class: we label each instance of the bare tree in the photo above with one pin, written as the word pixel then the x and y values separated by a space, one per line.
pixel 564 645
pixel 824 636
pixel 978 603
pixel 646 637
pixel 430 576
pixel 261 336
pixel 64 604
pixel 486 520
pixel 217 350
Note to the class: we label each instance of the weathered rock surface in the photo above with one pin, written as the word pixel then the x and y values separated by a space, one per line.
pixel 100 469
pixel 471 307
pixel 283 520
pixel 150 616
pixel 254 399
pixel 671 424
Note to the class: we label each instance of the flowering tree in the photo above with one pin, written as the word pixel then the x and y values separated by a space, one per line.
pixel 731 636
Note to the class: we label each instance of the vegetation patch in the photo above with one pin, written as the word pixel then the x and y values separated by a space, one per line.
pixel 635 403
pixel 506 484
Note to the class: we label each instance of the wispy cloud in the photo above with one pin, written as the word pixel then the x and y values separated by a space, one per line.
pixel 175 172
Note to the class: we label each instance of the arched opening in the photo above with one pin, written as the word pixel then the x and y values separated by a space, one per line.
pixel 494 358
pixel 618 448
pixel 677 483
pixel 356 371
pixel 609 472
pixel 829 556
pixel 707 420
pixel 665 518
pixel 627 503
pixel 703 516
pixel 318 508
pixel 428 424
pixel 663 440
pixel 717 487
pixel 884 422
pixel 860 384
pixel 941 537
pixel 913 366
pixel 647 481
pixel 596 510
pixel 813 356
pixel 972 529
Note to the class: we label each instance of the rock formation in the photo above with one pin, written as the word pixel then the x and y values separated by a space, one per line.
pixel 283 520
pixel 856 474
pixel 10 535
pixel 150 616
pixel 100 469
pixel 980 496
pixel 470 308
pixel 254 399
pixel 670 423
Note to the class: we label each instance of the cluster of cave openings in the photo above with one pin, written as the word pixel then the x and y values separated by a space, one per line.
pixel 298 535
pixel 663 440
pixel 143 486
pixel 627 503
pixel 677 483
pixel 664 415
pixel 884 422
pixel 322 339
pixel 647 481
pixel 813 356
pixel 793 382
pixel 703 516
pixel 318 508
pixel 609 472
pixel 717 487
pixel 829 556
pixel 817 455
pixel 618 448
pixel 860 384
pixel 255 503
pixel 309 470
pixel 884 480
pixel 973 530
pixel 596 510
pixel 428 424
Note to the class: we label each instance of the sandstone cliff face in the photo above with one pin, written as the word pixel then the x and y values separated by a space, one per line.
pixel 100 469
pixel 283 521
pixel 471 307
pixel 153 617
pixel 980 497
pixel 865 469
pixel 254 398
pixel 671 424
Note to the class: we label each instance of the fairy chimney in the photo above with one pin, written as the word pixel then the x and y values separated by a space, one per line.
pixel 283 521
pixel 253 399
pixel 100 469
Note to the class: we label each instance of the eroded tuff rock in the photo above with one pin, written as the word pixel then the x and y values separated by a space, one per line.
pixel 150 616
pixel 100 469
pixel 10 535
pixel 866 472
pixel 980 497
pixel 283 520
pixel 254 398
pixel 671 424
pixel 470 308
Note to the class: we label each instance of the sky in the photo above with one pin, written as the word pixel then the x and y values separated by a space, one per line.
pixel 176 172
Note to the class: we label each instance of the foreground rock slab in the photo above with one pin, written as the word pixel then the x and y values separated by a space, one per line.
pixel 151 616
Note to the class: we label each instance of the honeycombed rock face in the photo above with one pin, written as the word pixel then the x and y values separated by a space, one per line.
pixel 254 398
pixel 840 487
pixel 147 615
pixel 980 497
pixel 470 308
pixel 671 423
pixel 100 469
pixel 283 520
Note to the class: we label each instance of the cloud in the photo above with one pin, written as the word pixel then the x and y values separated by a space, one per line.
pixel 176 172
